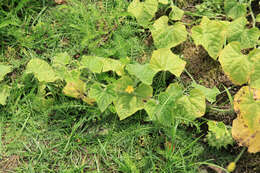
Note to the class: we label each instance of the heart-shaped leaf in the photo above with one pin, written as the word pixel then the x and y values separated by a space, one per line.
pixel 168 36
pixel 211 35
pixel 143 11
pixel 127 103
pixel 99 64
pixel 163 109
pixel 238 67
pixel 237 31
pixel 163 60
pixel 4 69
pixel 41 70
pixel 4 93
pixel 235 9
pixel 143 72
pixel 103 96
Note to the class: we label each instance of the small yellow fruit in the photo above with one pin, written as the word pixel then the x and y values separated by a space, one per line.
pixel 231 166
pixel 129 89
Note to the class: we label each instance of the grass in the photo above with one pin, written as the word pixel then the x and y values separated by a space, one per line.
pixel 60 134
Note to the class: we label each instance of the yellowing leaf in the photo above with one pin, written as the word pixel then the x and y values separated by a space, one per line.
pixel 4 69
pixel 211 35
pixel 143 11
pixel 77 89
pixel 246 127
pixel 164 59
pixel 41 70
pixel 168 36
pixel 245 136
pixel 247 106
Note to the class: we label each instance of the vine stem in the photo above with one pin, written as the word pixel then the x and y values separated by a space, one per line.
pixel 251 13
pixel 190 75
pixel 240 154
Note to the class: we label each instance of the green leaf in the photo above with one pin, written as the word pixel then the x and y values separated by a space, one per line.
pixel 113 65
pixel 176 13
pixel 254 57
pixel 211 35
pixel 163 110
pixel 4 93
pixel 236 66
pixel 41 70
pixel 143 11
pixel 4 69
pixel 93 63
pixel 143 72
pixel 235 9
pixel 99 64
pixel 210 93
pixel 248 38
pixel 168 36
pixel 218 135
pixel 257 19
pixel 165 2
pixel 164 59
pixel 103 96
pixel 61 59
pixel 127 104
pixel 193 105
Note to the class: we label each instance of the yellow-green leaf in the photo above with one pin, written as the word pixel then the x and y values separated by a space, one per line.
pixel 61 59
pixel 235 9
pixel 164 59
pixel 41 70
pixel 176 13
pixel 4 69
pixel 237 31
pixel 103 96
pixel 164 109
pixel 211 35
pixel 235 65
pixel 143 11
pixel 143 72
pixel 193 104
pixel 168 36
pixel 4 93
pixel 100 64
pixel 238 67
pixel 127 103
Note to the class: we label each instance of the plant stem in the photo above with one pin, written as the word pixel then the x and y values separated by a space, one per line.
pixel 190 75
pixel 240 154
pixel 251 12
